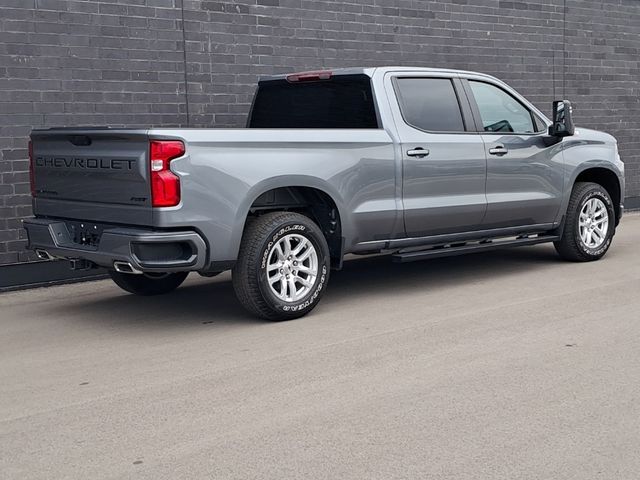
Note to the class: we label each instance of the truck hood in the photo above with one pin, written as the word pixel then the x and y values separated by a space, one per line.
pixel 594 135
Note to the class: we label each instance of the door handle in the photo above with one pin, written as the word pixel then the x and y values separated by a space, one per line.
pixel 498 150
pixel 418 152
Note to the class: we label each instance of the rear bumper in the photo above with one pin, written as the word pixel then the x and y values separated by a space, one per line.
pixel 144 250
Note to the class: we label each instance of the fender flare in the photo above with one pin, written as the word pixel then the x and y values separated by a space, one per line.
pixel 583 167
pixel 280 182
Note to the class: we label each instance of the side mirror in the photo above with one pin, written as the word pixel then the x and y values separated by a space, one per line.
pixel 562 119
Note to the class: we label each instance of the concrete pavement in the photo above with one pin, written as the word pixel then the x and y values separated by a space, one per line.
pixel 506 365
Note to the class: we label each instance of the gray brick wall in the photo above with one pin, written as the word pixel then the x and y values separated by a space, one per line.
pixel 82 62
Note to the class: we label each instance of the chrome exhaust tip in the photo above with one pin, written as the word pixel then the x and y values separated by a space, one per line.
pixel 43 255
pixel 126 267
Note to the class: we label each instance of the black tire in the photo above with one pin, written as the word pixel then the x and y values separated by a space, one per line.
pixel 250 277
pixel 571 247
pixel 148 284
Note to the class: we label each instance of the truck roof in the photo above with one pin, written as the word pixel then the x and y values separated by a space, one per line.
pixel 370 71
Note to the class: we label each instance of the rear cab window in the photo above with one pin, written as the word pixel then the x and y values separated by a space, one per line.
pixel 342 101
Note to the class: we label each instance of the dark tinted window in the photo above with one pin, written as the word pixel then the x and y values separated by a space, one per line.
pixel 344 101
pixel 500 111
pixel 430 104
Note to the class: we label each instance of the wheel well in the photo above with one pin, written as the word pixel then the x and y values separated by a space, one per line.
pixel 310 202
pixel 608 180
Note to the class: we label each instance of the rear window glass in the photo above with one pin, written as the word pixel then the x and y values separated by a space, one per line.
pixel 344 101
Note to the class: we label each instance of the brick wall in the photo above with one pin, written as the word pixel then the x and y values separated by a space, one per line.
pixel 122 63
pixel 603 74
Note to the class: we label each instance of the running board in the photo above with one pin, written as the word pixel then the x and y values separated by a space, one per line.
pixel 478 246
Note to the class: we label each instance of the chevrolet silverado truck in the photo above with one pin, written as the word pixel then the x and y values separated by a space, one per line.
pixel 413 162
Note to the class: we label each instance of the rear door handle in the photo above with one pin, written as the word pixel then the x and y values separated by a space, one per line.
pixel 418 152
pixel 498 150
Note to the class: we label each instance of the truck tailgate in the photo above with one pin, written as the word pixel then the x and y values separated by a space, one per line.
pixel 99 175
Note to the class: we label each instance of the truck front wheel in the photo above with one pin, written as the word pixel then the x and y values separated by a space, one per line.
pixel 148 283
pixel 589 225
pixel 283 266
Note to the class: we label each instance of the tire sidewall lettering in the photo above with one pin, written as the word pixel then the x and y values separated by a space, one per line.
pixel 307 303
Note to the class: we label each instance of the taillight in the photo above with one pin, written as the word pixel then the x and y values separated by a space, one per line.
pixel 310 76
pixel 32 173
pixel 165 185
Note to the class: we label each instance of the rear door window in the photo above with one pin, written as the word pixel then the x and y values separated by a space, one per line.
pixel 430 104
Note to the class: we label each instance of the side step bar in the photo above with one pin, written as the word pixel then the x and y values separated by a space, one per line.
pixel 479 246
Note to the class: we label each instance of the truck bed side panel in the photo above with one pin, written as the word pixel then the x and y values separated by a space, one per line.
pixel 224 171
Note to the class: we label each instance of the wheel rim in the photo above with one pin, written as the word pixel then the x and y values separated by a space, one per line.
pixel 593 223
pixel 292 267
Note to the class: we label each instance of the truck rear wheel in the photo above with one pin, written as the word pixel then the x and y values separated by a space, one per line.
pixel 148 283
pixel 590 224
pixel 283 266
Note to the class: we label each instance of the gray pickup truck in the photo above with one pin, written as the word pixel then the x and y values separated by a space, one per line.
pixel 415 162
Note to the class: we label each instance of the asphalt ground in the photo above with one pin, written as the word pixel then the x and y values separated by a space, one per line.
pixel 503 365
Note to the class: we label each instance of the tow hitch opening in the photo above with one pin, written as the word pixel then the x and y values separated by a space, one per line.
pixel 80 264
